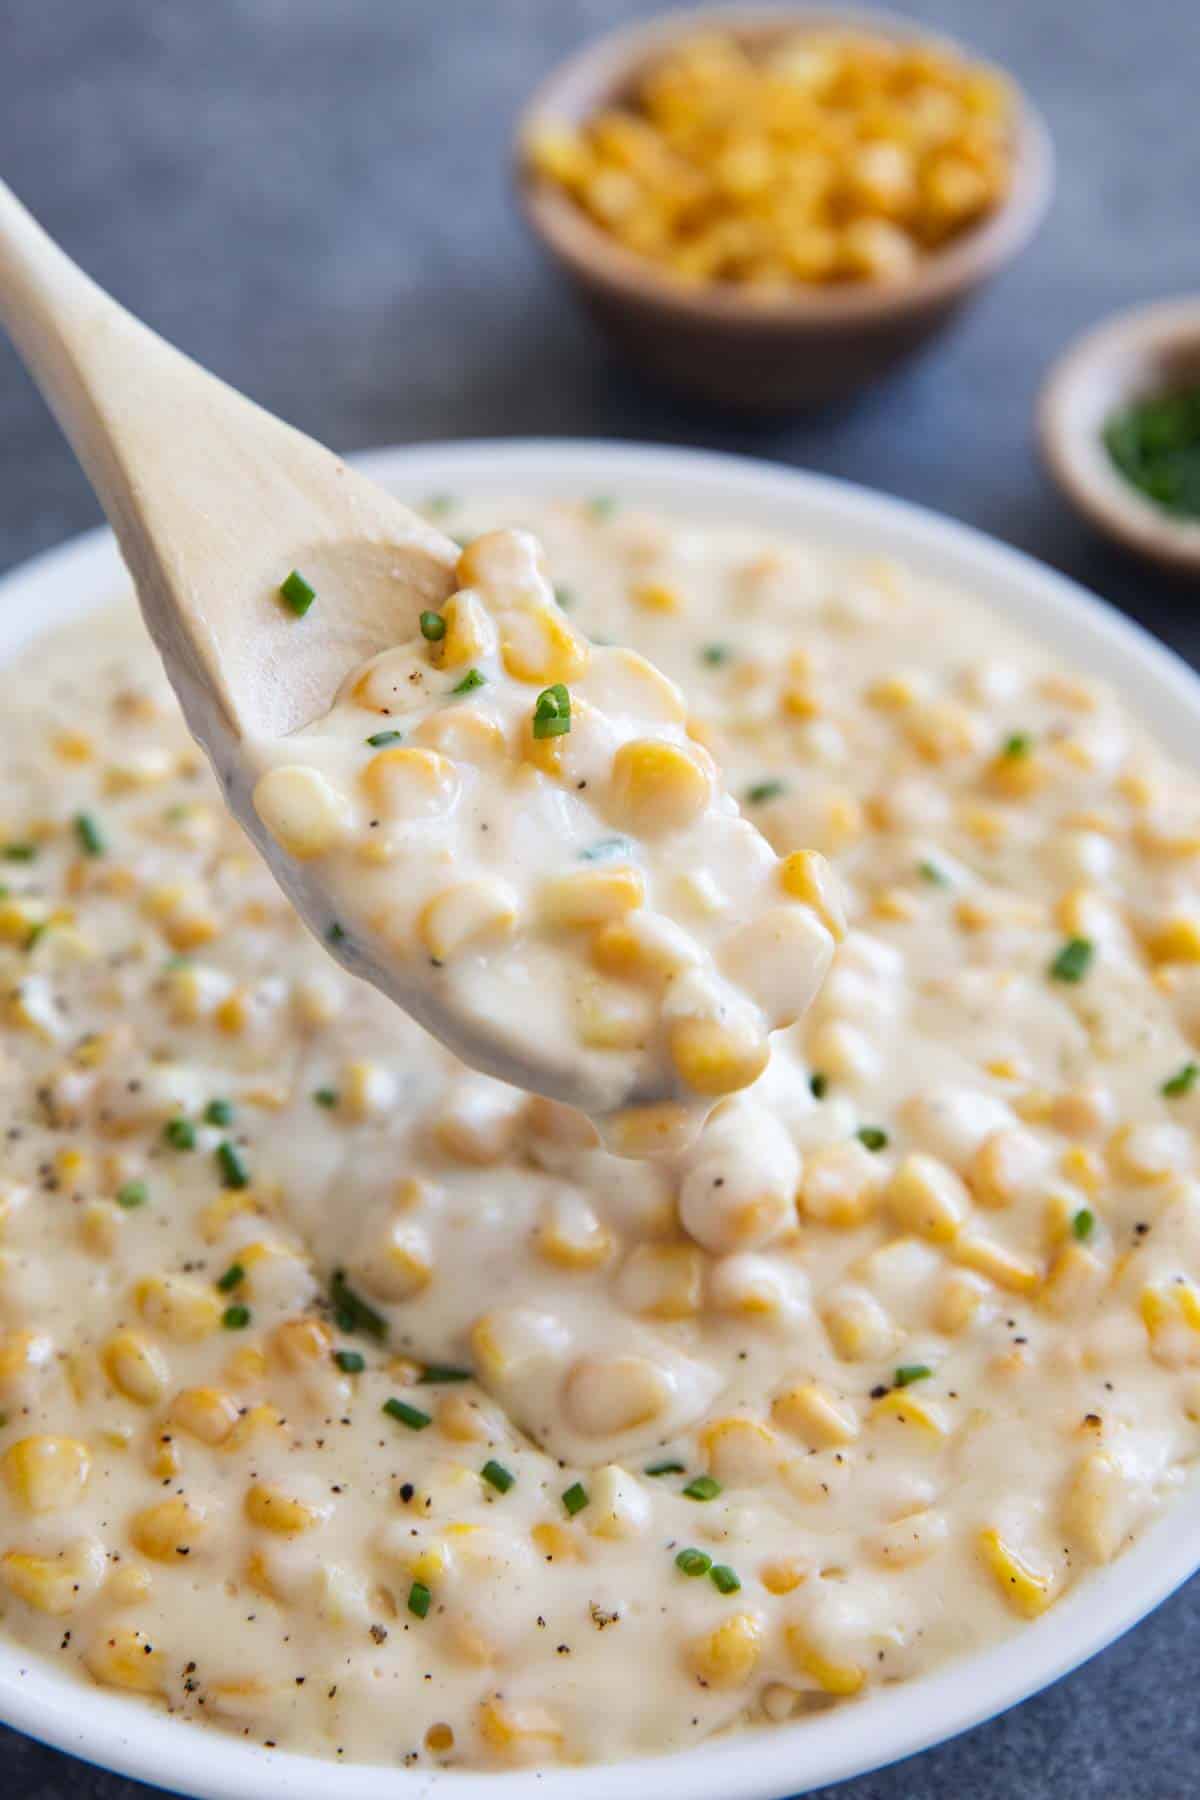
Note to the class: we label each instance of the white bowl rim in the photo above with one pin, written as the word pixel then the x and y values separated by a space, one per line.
pixel 131 1739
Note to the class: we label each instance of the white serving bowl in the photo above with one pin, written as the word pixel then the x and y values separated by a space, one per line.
pixel 129 1736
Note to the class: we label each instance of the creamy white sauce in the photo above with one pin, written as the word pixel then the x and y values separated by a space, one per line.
pixel 1016 1229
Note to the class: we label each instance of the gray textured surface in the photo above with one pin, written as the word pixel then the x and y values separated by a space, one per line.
pixel 311 197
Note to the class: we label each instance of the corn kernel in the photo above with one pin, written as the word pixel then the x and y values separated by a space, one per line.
pixel 1028 1589
pixel 46 1474
pixel 727 1656
pixel 659 787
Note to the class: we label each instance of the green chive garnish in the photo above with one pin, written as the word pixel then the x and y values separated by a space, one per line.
pixel 929 871
pixel 378 739
pixel 433 627
pixel 565 597
pixel 20 852
pixel 872 1137
pixel 693 1562
pixel 134 1193
pixel 327 1097
pixel 37 933
pixel 910 1372
pixel 575 1498
pixel 724 1578
pixel 715 654
pixel 1083 1224
pixel 235 1318
pixel 552 712
pixel 419 1598
pixel 819 1084
pixel 232 1278
pixel 439 1372
pixel 438 505
pixel 602 506
pixel 603 848
pixel 90 836
pixel 498 1476
pixel 234 1173
pixel 1071 963
pixel 350 1362
pixel 1182 1082
pixel 297 594
pixel 412 1416
pixel 336 934
pixel 351 1312
pixel 666 1468
pixel 702 1487
pixel 471 680
pixel 1019 744
pixel 180 1134
pixel 762 791
pixel 219 1112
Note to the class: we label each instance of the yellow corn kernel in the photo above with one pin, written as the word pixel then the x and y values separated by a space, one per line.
pixel 206 1413
pixel 538 645
pixel 1018 776
pixel 464 1420
pixel 1170 1311
pixel 958 1301
pixel 928 1198
pixel 715 1058
pixel 727 1656
pixel 46 1474
pixel 840 1184
pixel 943 731
pixel 1076 1277
pixel 1097 1505
pixel 659 787
pixel 181 1308
pixel 662 1281
pixel 1003 1166
pixel 809 1411
pixel 467 916
pixel 302 810
pixel 895 692
pixel 366 1089
pixel 301 1343
pixel 644 946
pixel 136 1367
pixel 401 1262
pixel 56 1585
pixel 1015 1273
pixel 906 1408
pixel 170 1530
pixel 256 1423
pixel 519 1733
pixel 1151 1153
pixel 829 1674
pixel 23 1354
pixel 647 1131
pixel 1027 1589
pixel 74 746
pixel 1176 939
pixel 407 783
pixel 230 1204
pixel 273 1510
pixel 610 1015
pixel 806 876
pixel 558 1543
pixel 592 896
pixel 783 1576
pixel 656 597
pixel 1084 1167
pixel 570 1235
pixel 740 1452
pixel 470 635
pixel 125 1658
pixel 859 1328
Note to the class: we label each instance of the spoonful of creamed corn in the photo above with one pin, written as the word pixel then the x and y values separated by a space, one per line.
pixel 504 827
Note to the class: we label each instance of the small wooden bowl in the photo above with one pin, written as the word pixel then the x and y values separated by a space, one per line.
pixel 1133 356
pixel 758 353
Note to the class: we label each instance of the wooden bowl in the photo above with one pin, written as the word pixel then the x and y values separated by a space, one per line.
pixel 1129 358
pixel 760 353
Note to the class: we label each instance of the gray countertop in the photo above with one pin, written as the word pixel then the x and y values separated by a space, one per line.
pixel 311 197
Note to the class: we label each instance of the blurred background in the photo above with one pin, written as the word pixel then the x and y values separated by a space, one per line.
pixel 313 198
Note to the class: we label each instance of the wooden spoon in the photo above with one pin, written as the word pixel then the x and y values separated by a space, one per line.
pixel 213 502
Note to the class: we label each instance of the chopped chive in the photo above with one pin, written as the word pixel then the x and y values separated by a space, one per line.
pixel 180 1134
pixel 352 1312
pixel 1083 1224
pixel 219 1112
pixel 715 654
pixel 762 791
pixel 666 1468
pixel 552 712
pixel 233 1277
pixel 602 506
pixel 90 836
pixel 433 628
pixel 565 597
pixel 910 1372
pixel 297 594
pixel 498 1476
pixel 872 1137
pixel 378 739
pixel 603 848
pixel 819 1084
pixel 37 933
pixel 930 872
pixel 702 1487
pixel 134 1193
pixel 1182 1082
pixel 350 1362
pixel 20 852
pixel 438 505
pixel 693 1562
pixel 575 1498
pixel 412 1416
pixel 1071 963
pixel 327 1097
pixel 1018 745
pixel 236 1318
pixel 234 1173
pixel 419 1598
pixel 435 1373
pixel 724 1578
pixel 470 681
pixel 336 934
